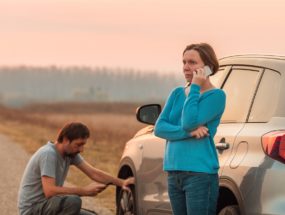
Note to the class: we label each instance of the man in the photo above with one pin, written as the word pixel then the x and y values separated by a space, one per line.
pixel 42 191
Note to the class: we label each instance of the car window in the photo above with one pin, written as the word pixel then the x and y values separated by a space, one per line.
pixel 218 79
pixel 265 101
pixel 240 88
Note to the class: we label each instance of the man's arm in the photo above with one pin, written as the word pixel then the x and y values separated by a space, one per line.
pixel 50 189
pixel 103 177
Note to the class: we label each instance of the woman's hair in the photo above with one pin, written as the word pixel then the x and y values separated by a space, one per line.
pixel 72 131
pixel 207 55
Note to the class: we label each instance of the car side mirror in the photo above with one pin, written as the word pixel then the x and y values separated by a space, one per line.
pixel 148 113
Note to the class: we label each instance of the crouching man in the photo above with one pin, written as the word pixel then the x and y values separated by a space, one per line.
pixel 42 191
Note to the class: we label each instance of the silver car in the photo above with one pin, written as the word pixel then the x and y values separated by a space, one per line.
pixel 250 142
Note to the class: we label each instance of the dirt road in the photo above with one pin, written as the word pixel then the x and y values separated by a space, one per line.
pixel 13 160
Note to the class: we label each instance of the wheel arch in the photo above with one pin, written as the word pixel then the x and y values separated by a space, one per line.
pixel 229 194
pixel 126 169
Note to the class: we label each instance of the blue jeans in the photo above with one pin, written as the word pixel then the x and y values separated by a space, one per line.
pixel 193 193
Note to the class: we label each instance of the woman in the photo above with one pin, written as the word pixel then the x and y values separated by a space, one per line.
pixel 189 123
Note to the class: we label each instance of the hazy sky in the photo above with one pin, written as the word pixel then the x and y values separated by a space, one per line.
pixel 139 34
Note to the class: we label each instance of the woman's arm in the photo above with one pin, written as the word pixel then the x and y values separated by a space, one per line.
pixel 164 128
pixel 168 131
pixel 195 113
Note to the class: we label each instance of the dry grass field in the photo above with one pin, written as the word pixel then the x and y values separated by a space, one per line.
pixel 111 125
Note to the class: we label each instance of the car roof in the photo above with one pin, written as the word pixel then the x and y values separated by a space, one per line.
pixel 273 62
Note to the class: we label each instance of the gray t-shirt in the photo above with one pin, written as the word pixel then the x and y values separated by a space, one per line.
pixel 47 161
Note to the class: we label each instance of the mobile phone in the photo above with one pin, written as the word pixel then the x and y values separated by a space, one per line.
pixel 207 70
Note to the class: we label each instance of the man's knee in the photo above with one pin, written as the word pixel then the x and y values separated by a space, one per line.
pixel 72 203
pixel 59 205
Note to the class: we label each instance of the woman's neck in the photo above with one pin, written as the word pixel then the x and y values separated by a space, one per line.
pixel 207 86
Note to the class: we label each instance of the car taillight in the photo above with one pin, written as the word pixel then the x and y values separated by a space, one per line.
pixel 273 144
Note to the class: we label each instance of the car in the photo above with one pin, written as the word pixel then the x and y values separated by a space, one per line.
pixel 250 143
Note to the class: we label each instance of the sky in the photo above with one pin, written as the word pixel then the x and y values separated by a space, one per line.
pixel 147 35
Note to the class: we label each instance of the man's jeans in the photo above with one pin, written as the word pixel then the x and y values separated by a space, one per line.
pixel 193 193
pixel 60 205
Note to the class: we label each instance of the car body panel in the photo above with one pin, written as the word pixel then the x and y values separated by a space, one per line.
pixel 153 189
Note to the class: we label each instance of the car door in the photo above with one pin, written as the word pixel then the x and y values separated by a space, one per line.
pixel 240 87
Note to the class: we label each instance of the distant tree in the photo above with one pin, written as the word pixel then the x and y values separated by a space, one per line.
pixel 53 83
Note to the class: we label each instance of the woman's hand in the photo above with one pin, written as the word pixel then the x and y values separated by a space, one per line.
pixel 200 132
pixel 199 77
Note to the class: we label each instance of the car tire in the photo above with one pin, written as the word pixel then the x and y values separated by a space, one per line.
pixel 230 210
pixel 126 204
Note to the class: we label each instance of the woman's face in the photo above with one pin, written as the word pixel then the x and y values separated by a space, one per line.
pixel 191 62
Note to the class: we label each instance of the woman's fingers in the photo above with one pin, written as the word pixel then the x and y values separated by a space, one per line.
pixel 200 132
pixel 199 76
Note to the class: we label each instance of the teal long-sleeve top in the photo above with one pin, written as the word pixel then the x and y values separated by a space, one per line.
pixel 183 114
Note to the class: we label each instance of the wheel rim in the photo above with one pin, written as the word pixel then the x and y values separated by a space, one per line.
pixel 126 203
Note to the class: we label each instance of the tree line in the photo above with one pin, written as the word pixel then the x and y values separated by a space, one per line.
pixel 26 84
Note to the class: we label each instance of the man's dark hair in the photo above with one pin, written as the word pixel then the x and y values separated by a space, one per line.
pixel 72 131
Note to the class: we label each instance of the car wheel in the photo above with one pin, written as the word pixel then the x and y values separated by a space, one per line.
pixel 230 210
pixel 126 202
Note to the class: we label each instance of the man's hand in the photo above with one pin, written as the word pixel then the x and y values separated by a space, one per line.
pixel 94 188
pixel 127 182
pixel 200 132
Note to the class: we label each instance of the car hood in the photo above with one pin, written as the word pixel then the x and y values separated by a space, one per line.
pixel 145 130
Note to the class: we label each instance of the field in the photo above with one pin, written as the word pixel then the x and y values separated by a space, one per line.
pixel 111 125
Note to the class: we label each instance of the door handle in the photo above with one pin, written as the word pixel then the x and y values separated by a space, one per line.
pixel 222 146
